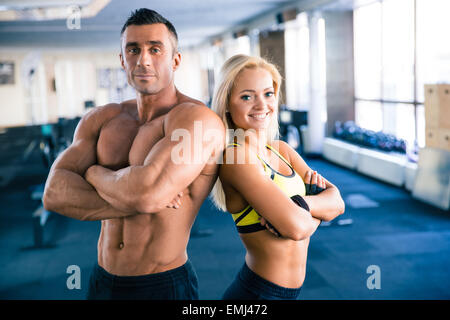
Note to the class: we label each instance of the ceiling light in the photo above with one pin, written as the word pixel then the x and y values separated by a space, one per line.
pixel 48 9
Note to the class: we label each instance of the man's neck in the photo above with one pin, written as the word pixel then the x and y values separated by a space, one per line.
pixel 151 106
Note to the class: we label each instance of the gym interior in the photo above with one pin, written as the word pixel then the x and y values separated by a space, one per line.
pixel 365 101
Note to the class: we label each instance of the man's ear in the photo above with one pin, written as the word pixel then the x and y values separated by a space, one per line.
pixel 176 60
pixel 122 62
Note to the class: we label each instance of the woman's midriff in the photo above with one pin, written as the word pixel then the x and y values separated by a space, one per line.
pixel 279 260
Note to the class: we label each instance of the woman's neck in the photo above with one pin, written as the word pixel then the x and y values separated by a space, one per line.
pixel 257 140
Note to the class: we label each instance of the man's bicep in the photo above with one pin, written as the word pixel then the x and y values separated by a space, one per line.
pixel 77 158
pixel 199 132
pixel 170 168
pixel 81 154
pixel 193 136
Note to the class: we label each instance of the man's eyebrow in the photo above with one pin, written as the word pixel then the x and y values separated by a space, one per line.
pixel 155 42
pixel 151 42
pixel 131 44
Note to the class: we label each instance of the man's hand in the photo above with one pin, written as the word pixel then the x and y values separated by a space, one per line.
pixel 176 202
pixel 89 173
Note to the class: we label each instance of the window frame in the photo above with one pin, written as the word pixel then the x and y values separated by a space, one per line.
pixel 383 101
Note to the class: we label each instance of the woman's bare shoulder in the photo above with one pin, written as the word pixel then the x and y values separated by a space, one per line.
pixel 283 148
pixel 239 159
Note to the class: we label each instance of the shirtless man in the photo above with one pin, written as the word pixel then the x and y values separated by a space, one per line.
pixel 119 169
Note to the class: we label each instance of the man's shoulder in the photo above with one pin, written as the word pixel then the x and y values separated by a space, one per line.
pixel 198 118
pixel 110 110
pixel 95 118
pixel 105 110
pixel 192 110
pixel 190 106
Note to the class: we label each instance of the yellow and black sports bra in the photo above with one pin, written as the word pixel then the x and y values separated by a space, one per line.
pixel 248 220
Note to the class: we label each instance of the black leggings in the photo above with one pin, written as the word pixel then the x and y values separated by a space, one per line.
pixel 176 284
pixel 249 286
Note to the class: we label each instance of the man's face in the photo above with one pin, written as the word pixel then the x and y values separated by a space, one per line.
pixel 148 57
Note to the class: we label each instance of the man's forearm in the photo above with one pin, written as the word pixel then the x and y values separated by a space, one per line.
pixel 131 189
pixel 113 186
pixel 71 195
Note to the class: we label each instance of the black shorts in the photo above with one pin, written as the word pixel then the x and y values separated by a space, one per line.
pixel 249 286
pixel 176 284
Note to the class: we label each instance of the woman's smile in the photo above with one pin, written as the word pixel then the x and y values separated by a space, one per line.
pixel 252 100
pixel 259 116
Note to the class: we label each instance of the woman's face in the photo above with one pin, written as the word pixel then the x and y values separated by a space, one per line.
pixel 252 101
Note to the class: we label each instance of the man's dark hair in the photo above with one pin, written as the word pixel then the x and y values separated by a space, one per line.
pixel 145 16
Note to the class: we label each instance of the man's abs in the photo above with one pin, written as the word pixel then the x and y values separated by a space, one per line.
pixel 145 243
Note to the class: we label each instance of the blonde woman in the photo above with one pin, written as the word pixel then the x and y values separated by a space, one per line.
pixel 262 184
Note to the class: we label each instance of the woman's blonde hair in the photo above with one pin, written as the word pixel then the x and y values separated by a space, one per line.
pixel 221 98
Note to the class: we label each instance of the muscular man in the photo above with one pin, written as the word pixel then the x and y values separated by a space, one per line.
pixel 121 170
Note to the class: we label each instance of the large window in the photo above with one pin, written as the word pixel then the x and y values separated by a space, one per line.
pixel 399 47
pixel 367 33
pixel 433 45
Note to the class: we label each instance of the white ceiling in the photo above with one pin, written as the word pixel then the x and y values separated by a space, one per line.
pixel 195 21
pixel 26 4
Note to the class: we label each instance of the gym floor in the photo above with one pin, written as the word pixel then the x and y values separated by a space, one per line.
pixel 408 241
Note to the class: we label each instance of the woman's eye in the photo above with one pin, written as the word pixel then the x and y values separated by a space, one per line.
pixel 246 97
pixel 269 94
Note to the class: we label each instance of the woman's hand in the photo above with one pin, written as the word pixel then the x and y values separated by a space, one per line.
pixel 269 227
pixel 314 183
pixel 176 202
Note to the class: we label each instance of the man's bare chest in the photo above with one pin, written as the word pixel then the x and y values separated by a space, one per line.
pixel 123 141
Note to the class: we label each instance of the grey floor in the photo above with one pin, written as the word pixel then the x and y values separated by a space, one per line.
pixel 407 240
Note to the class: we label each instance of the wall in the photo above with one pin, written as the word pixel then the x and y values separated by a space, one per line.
pixel 340 70
pixel 271 46
pixel 191 78
pixel 66 79
pixel 63 81
pixel 12 106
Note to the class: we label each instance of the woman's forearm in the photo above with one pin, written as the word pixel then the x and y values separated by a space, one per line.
pixel 326 205
pixel 316 223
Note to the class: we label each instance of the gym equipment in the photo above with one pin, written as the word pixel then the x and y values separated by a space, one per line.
pixel 432 184
pixel 352 133
pixel 290 122
pixel 54 139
